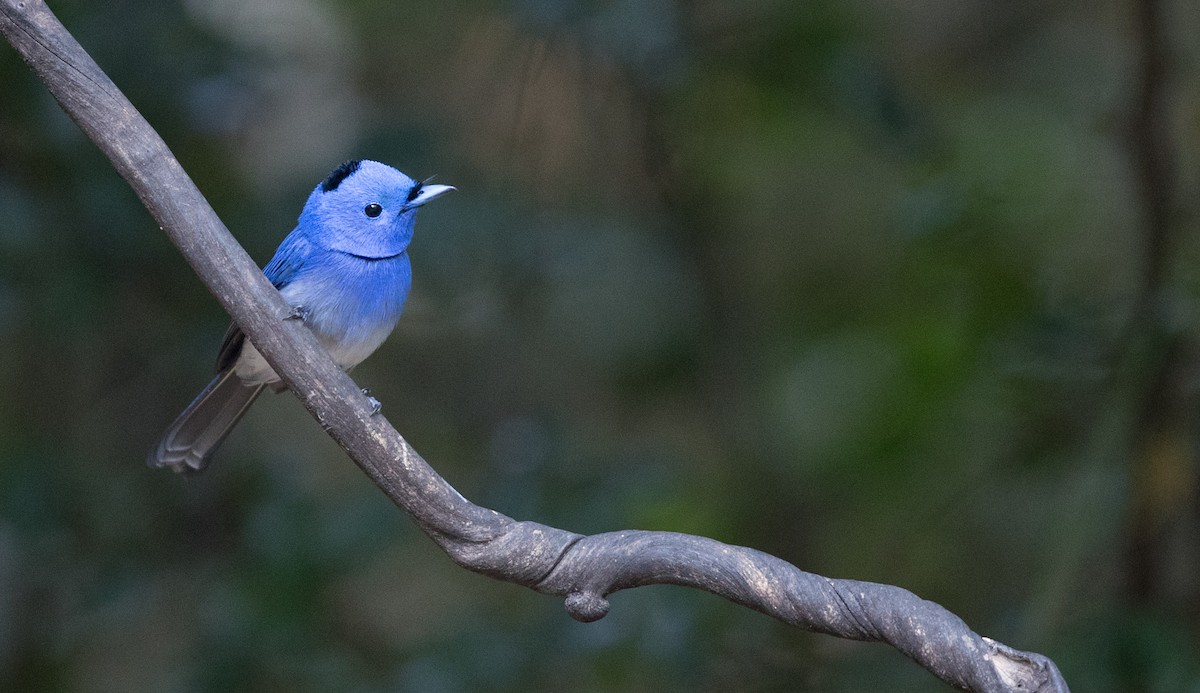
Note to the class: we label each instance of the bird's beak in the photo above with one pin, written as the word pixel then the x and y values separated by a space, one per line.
pixel 428 193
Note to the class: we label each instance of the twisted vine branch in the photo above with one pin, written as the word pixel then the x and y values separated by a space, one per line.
pixel 583 569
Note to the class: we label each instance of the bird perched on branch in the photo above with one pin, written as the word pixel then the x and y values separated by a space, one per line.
pixel 344 270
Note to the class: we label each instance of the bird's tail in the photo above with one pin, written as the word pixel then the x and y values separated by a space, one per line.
pixel 193 437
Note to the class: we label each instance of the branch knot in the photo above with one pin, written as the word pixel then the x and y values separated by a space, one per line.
pixel 586 606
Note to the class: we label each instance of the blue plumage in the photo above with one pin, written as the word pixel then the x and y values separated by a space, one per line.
pixel 345 268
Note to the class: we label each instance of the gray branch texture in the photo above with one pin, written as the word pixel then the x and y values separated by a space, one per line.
pixel 582 569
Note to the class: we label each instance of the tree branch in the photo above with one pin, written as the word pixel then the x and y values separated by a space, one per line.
pixel 584 569
pixel 1150 150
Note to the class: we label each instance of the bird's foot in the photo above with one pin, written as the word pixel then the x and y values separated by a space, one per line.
pixel 376 405
pixel 297 313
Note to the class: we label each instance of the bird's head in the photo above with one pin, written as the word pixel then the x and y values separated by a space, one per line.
pixel 367 209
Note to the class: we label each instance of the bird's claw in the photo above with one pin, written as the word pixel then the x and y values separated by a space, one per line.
pixel 297 313
pixel 376 405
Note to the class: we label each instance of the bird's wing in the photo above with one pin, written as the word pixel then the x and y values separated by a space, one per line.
pixel 282 268
pixel 288 260
pixel 231 347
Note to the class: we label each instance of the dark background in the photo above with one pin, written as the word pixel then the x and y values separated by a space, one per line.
pixel 897 291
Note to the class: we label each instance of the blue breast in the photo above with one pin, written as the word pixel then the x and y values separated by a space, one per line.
pixel 351 303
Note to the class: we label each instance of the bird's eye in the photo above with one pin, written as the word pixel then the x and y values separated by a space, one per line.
pixel 373 210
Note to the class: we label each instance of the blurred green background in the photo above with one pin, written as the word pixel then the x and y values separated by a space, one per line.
pixel 897 291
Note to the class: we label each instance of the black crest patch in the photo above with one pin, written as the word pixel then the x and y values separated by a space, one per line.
pixel 340 174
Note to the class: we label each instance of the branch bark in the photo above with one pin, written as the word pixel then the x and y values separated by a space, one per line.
pixel 583 569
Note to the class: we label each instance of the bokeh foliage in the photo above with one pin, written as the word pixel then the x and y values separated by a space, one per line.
pixel 860 283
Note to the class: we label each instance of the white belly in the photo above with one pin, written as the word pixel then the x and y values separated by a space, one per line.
pixel 253 369
pixel 349 323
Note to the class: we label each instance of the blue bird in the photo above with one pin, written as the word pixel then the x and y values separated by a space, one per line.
pixel 344 269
